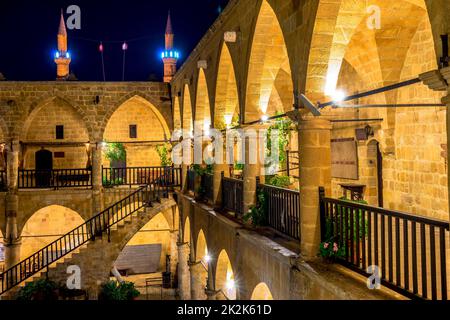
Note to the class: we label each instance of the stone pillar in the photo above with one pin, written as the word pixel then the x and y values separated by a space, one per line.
pixel 184 277
pixel 252 168
pixel 315 171
pixel 210 290
pixel 173 252
pixel 97 183
pixel 12 240
pixel 198 273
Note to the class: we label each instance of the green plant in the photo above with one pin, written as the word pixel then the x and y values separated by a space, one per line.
pixel 360 224
pixel 279 181
pixel 113 290
pixel 115 151
pixel 331 250
pixel 239 166
pixel 164 154
pixel 258 213
pixel 200 170
pixel 284 133
pixel 42 289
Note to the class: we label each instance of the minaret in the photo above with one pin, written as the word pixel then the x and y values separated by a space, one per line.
pixel 169 56
pixel 62 56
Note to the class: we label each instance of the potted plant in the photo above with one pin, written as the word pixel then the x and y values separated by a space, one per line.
pixel 330 251
pixel 257 214
pixel 42 289
pixel 360 227
pixel 114 290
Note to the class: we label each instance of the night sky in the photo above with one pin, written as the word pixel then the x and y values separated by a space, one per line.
pixel 28 32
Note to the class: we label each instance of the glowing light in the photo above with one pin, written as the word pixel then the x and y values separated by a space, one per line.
pixel 104 144
pixel 228 119
pixel 207 258
pixel 264 118
pixel 230 284
pixel 67 55
pixel 57 54
pixel 100 47
pixel 338 96
pixel 124 46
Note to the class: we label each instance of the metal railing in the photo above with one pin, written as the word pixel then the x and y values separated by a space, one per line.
pixel 136 176
pixel 96 226
pixel 57 178
pixel 207 184
pixel 233 195
pixel 190 182
pixel 411 252
pixel 283 209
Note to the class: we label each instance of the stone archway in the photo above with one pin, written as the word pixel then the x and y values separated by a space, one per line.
pixel 177 122
pixel 226 110
pixel 269 80
pixel 225 278
pixel 261 292
pixel 202 106
pixel 187 122
pixel 136 124
pixel 145 253
pixel 187 231
pixel 39 130
pixel 45 226
pixel 201 249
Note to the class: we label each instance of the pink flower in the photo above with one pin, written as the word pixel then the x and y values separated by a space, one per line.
pixel 335 247
pixel 326 245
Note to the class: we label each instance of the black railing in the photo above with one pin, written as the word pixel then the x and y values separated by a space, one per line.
pixel 283 209
pixel 190 180
pixel 136 176
pixel 410 252
pixel 97 226
pixel 207 184
pixel 57 178
pixel 233 195
pixel 3 180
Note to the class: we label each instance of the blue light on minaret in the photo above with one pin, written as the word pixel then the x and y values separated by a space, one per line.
pixel 169 56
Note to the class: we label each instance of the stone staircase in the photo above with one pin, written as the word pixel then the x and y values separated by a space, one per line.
pixel 96 257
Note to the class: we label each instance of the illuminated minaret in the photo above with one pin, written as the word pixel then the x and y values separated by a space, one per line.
pixel 62 55
pixel 170 55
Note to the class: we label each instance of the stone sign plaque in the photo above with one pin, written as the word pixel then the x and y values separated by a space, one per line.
pixel 344 159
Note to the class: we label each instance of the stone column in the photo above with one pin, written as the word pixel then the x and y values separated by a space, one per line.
pixel 210 290
pixel 315 171
pixel 173 252
pixel 198 273
pixel 12 241
pixel 252 168
pixel 97 183
pixel 184 279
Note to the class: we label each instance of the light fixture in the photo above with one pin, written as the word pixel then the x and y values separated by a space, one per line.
pixel 338 96
pixel 207 258
pixel 104 144
pixel 264 118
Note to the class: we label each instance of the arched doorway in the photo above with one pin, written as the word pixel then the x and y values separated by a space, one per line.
pixel 45 226
pixel 269 80
pixel 44 166
pixel 187 231
pixel 188 125
pixel 145 255
pixel 202 107
pixel 261 292
pixel 225 280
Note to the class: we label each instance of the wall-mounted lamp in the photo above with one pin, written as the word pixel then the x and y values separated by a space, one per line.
pixel 365 133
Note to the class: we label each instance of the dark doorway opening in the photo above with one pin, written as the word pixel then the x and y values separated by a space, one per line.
pixel 44 167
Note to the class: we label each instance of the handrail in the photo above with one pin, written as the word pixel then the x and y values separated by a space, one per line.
pixel 77 237
pixel 393 213
pixel 409 251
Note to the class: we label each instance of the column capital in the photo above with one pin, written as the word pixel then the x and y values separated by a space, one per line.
pixel 314 124
pixel 7 242
pixel 435 79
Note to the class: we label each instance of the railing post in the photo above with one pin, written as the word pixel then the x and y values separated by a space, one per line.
pixel 323 220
